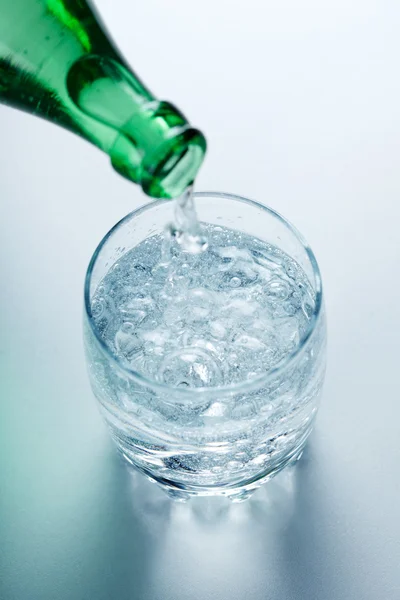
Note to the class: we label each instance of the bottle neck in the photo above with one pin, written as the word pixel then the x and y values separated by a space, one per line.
pixel 154 145
pixel 158 149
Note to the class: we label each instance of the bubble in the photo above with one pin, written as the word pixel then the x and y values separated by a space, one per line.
pixel 241 305
pixel 127 342
pixel 191 366
pixel 216 410
pixel 260 459
pixel 139 274
pixel 218 469
pixel 136 304
pixel 234 465
pixel 201 296
pixel 199 312
pixel 278 289
pixel 194 244
pixel 235 282
pixel 218 330
pixel 249 342
pixel 135 316
pixel 197 305
pixel 291 268
pixel 308 308
pixel 98 308
pixel 236 277
pixel 158 336
pixel 243 456
pixel 290 309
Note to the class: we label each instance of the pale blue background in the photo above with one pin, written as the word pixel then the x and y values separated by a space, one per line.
pixel 301 105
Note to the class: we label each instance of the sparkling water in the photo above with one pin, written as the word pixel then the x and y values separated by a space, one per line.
pixel 227 314
pixel 205 306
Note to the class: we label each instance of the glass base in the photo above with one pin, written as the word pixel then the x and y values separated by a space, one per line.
pixel 237 493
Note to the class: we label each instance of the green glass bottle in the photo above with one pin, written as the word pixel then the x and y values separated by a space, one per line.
pixel 57 62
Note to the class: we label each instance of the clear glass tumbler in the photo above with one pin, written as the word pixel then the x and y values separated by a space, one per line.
pixel 209 440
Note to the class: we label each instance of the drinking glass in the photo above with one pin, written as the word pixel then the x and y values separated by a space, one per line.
pixel 224 440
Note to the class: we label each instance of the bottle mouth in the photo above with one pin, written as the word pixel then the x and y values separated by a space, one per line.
pixel 166 170
pixel 170 169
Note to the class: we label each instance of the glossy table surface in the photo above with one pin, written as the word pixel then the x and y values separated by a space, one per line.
pixel 301 105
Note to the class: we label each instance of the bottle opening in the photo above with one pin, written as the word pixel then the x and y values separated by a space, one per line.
pixel 170 170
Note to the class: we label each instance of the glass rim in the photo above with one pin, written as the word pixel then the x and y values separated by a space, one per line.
pixel 241 386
